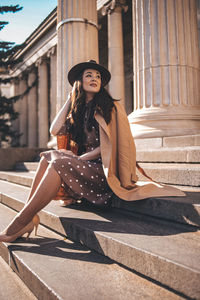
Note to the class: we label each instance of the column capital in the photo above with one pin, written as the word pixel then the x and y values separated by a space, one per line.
pixel 114 5
pixel 51 51
pixel 40 61
pixel 23 76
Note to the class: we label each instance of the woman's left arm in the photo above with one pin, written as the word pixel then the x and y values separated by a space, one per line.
pixel 91 155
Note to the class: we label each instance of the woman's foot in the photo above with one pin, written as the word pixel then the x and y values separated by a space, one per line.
pixel 9 235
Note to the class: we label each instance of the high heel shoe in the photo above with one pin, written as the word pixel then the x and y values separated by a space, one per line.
pixel 27 229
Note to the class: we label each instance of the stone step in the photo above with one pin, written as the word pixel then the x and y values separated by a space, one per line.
pixel 185 210
pixel 18 177
pixel 175 155
pixel 169 173
pixel 11 286
pixel 26 166
pixel 173 173
pixel 164 251
pixel 53 267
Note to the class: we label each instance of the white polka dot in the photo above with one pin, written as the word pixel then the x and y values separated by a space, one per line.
pixel 70 180
pixel 62 184
pixel 58 172
pixel 69 163
pixel 90 166
pixel 81 194
pixel 97 176
pixel 76 180
pixel 97 139
pixel 106 202
pixel 83 167
pixel 70 187
pixel 93 201
pixel 71 169
pixel 102 179
pixel 65 174
pixel 81 185
pixel 92 177
pixel 62 166
pixel 54 162
pixel 78 166
pixel 92 191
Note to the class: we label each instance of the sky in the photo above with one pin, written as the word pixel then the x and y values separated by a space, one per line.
pixel 24 22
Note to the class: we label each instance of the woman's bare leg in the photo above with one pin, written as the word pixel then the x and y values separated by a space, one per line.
pixel 44 193
pixel 43 165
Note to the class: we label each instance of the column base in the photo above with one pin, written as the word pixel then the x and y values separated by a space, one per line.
pixel 159 122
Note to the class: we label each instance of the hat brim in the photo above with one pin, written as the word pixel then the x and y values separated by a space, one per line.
pixel 75 72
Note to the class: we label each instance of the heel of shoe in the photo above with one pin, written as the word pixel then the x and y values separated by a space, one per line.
pixel 36 221
pixel 28 234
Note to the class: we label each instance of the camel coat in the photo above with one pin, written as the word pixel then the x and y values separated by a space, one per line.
pixel 118 154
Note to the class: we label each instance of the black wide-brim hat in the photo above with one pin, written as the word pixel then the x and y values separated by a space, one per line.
pixel 76 70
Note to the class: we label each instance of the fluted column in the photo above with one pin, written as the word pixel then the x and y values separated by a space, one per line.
pixel 32 110
pixel 53 82
pixel 115 47
pixel 166 68
pixel 77 39
pixel 43 120
pixel 23 111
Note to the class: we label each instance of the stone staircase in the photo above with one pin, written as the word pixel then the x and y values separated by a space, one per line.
pixel 147 249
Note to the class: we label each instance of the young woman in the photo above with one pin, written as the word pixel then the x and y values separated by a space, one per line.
pixel 105 162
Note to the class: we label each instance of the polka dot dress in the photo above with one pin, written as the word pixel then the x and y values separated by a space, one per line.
pixel 82 179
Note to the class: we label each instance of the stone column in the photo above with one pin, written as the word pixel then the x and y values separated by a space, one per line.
pixel 43 121
pixel 32 110
pixel 23 111
pixel 53 82
pixel 115 47
pixel 77 39
pixel 166 69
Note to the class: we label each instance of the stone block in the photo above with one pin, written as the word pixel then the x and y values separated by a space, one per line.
pixel 142 144
pixel 181 141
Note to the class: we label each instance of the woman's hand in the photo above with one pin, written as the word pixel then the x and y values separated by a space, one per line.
pixel 91 155
pixel 69 152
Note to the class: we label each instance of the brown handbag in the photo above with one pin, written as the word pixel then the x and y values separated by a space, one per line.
pixel 65 142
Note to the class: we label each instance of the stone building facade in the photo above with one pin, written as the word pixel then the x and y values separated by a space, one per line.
pixel 151 48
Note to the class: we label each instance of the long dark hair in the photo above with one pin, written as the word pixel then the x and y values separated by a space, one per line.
pixel 102 102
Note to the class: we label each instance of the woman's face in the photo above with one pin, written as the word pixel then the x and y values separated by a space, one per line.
pixel 91 82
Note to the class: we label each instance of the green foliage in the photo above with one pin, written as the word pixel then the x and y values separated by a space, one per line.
pixel 7 112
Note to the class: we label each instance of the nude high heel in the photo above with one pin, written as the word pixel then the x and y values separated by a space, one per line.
pixel 27 229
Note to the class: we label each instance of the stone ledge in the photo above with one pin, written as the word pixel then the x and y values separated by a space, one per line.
pixel 187 154
pixel 172 173
pixel 10 156
pixel 167 142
